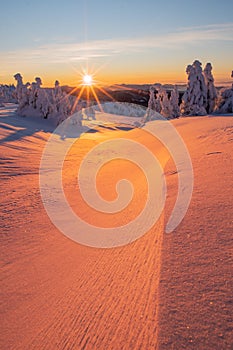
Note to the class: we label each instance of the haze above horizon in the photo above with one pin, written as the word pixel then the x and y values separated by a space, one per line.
pixel 118 42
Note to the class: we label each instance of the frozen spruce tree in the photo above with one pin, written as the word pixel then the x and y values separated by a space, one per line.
pixel 34 92
pixel 18 77
pixel 64 108
pixel 43 104
pixel 194 99
pixel 22 92
pixel 152 106
pixel 159 97
pixel 224 102
pixel 58 98
pixel 174 101
pixel 61 103
pixel 211 90
pixel 24 102
pixel 57 90
pixel 7 94
pixel 166 108
pixel 159 105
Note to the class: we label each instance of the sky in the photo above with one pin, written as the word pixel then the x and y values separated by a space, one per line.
pixel 123 41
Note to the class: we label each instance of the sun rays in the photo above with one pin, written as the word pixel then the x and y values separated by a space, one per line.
pixel 90 90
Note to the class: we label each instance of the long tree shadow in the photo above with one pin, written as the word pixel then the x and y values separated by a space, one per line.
pixel 24 127
pixel 21 127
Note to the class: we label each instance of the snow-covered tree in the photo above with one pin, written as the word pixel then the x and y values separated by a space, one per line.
pixel 62 103
pixel 57 89
pixel 166 108
pixel 159 97
pixel 7 94
pixel 211 90
pixel 47 103
pixel 32 95
pixel 25 96
pixel 18 77
pixel 152 105
pixel 174 101
pixel 224 102
pixel 195 97
pixel 160 105
pixel 43 104
pixel 152 102
pixel 22 92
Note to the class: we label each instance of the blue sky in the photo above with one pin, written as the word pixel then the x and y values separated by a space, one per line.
pixel 125 41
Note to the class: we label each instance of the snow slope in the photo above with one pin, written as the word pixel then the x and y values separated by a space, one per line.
pixel 164 291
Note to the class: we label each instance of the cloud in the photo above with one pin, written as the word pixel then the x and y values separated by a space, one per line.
pixel 71 52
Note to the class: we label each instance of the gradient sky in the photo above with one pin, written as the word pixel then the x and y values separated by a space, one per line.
pixel 123 41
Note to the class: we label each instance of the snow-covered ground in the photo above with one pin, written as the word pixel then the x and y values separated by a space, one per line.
pixel 165 291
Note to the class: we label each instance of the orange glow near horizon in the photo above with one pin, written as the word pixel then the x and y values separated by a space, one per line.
pixel 107 80
pixel 107 77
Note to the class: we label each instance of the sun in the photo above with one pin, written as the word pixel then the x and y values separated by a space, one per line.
pixel 87 79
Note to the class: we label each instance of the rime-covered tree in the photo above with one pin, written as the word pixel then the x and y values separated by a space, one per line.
pixel 152 105
pixel 224 102
pixel 57 90
pixel 161 104
pixel 194 99
pixel 32 95
pixel 18 77
pixel 166 108
pixel 7 94
pixel 174 101
pixel 56 96
pixel 211 90
pixel 43 103
pixel 22 92
pixel 25 96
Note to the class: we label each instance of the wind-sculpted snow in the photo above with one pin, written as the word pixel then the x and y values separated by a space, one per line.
pixel 104 152
pixel 162 291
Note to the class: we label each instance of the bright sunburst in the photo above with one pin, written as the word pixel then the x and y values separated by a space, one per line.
pixel 87 79
pixel 90 89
